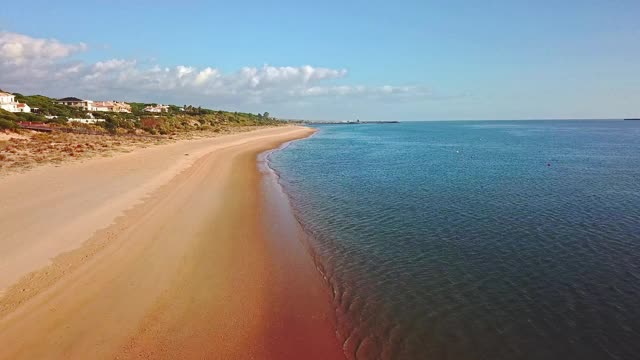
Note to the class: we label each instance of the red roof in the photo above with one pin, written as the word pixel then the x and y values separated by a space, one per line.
pixel 21 105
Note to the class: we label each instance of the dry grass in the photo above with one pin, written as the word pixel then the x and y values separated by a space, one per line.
pixel 33 149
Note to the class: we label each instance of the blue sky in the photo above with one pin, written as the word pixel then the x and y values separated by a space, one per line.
pixel 406 60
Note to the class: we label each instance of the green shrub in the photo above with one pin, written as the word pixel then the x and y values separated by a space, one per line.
pixel 8 124
pixel 30 117
pixel 5 115
pixel 59 121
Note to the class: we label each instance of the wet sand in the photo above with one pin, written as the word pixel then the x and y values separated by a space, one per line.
pixel 159 254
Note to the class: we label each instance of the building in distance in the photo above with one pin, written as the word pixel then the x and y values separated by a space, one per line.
pixel 8 102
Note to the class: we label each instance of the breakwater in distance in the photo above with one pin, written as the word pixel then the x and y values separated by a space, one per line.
pixel 349 122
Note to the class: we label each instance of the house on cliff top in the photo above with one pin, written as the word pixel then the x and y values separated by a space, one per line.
pixel 8 102
pixel 157 108
pixel 90 105
pixel 78 103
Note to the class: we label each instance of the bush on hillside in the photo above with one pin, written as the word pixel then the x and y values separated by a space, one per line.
pixel 30 117
pixel 5 115
pixel 7 124
pixel 177 119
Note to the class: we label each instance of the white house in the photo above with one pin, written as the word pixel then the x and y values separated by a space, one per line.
pixel 157 109
pixel 90 105
pixel 79 103
pixel 8 103
pixel 6 98
pixel 23 108
pixel 100 106
pixel 114 106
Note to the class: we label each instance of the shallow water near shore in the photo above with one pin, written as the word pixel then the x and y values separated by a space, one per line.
pixel 475 240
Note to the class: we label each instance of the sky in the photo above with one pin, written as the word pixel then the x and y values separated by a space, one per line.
pixel 334 60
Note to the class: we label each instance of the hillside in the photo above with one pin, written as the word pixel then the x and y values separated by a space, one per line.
pixel 177 119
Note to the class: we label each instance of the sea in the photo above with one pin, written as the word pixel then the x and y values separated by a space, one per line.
pixel 474 239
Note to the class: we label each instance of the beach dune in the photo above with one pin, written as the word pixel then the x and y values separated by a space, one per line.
pixel 167 252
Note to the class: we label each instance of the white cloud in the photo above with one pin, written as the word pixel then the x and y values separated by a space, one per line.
pixel 34 65
pixel 362 90
pixel 18 49
pixel 112 65
pixel 204 75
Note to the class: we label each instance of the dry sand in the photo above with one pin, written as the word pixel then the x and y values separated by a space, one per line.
pixel 31 149
pixel 167 252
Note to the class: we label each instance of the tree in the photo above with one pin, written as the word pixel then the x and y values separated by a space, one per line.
pixel 266 115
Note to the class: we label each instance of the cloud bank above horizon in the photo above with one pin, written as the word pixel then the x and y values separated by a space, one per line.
pixel 48 66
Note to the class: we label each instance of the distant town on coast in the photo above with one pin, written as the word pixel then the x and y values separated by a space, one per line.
pixel 42 112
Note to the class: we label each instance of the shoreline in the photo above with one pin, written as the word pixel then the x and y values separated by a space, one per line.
pixel 289 249
pixel 196 269
pixel 345 332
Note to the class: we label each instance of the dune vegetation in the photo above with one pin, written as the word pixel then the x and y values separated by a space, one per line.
pixel 21 149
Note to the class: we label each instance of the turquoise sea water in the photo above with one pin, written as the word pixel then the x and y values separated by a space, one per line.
pixel 475 240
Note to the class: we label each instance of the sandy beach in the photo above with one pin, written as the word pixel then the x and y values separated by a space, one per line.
pixel 171 252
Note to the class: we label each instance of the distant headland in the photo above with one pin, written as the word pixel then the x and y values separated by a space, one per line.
pixel 349 122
